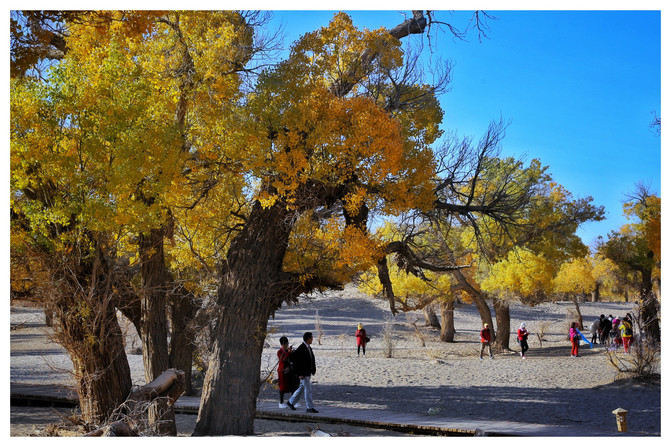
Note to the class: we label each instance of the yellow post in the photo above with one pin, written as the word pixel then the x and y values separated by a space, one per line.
pixel 621 418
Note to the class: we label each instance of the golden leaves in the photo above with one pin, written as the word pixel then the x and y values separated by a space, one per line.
pixel 523 274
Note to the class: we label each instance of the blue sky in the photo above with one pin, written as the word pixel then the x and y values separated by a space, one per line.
pixel 578 87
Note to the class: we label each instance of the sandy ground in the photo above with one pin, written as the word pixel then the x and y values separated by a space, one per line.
pixel 423 376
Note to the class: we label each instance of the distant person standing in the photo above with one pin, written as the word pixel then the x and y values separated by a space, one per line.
pixel 485 341
pixel 594 330
pixel 522 335
pixel 626 332
pixel 575 339
pixel 304 364
pixel 361 340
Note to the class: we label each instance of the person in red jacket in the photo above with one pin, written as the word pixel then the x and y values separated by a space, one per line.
pixel 361 340
pixel 522 335
pixel 485 341
pixel 286 378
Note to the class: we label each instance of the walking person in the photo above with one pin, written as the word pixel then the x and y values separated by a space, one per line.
pixel 522 335
pixel 485 341
pixel 361 340
pixel 304 364
pixel 626 333
pixel 287 380
pixel 575 339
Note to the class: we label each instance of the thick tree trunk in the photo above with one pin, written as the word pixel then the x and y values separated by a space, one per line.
pixel 478 299
pixel 596 293
pixel 101 371
pixel 502 342
pixel 183 310
pixel 87 327
pixel 248 294
pixel 650 307
pixel 447 320
pixel 154 322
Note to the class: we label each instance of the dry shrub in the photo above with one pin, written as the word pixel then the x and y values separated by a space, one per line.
pixel 540 328
pixel 318 328
pixel 643 360
pixel 388 336
pixel 418 333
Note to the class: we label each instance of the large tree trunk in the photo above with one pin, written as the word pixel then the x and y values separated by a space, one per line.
pixel 248 294
pixel 502 342
pixel 596 293
pixel 183 309
pixel 447 320
pixel 154 322
pixel 650 307
pixel 87 327
pixel 478 299
pixel 101 371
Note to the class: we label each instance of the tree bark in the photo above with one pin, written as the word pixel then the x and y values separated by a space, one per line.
pixel 447 320
pixel 478 299
pixel 87 327
pixel 576 302
pixel 430 317
pixel 131 419
pixel 102 376
pixel 502 342
pixel 183 309
pixel 252 287
pixel 650 305
pixel 154 333
pixel 596 293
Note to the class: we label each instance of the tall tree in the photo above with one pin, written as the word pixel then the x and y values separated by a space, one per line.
pixel 102 144
pixel 326 143
pixel 636 250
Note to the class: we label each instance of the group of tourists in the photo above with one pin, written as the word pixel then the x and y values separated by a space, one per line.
pixel 296 367
pixel 486 340
pixel 614 332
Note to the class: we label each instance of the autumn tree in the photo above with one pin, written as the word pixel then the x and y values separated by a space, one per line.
pixel 576 280
pixel 636 250
pixel 103 149
pixel 510 206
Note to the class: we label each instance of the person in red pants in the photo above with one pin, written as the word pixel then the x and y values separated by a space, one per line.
pixel 626 333
pixel 575 339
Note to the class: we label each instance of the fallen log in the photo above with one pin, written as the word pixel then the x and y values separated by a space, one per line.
pixel 130 418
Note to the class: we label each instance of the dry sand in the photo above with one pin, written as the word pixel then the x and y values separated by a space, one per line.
pixel 423 376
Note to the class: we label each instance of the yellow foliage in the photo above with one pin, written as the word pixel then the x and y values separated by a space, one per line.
pixel 522 274
pixel 575 277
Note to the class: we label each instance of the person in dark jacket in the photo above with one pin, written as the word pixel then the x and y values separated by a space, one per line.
pixel 606 326
pixel 303 360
